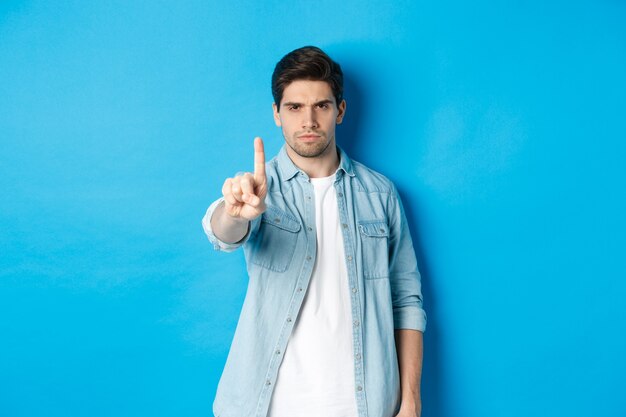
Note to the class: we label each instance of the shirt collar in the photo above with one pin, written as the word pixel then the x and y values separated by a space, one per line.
pixel 289 169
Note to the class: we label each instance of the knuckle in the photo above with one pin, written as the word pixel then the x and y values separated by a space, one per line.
pixel 247 183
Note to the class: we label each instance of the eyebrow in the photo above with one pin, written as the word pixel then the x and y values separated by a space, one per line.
pixel 317 103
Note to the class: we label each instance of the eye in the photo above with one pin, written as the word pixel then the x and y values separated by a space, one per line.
pixel 293 107
pixel 323 105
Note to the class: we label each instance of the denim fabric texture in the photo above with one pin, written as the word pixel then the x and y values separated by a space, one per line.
pixel 280 250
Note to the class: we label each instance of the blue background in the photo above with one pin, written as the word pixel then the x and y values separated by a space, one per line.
pixel 503 125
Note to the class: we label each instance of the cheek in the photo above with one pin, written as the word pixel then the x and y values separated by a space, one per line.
pixel 331 120
pixel 287 132
pixel 330 126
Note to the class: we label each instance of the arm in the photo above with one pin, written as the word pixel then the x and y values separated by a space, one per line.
pixel 409 315
pixel 243 200
pixel 409 345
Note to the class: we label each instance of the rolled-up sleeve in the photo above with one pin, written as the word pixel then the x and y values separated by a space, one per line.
pixel 404 276
pixel 208 230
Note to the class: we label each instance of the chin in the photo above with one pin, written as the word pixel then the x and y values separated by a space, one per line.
pixel 312 151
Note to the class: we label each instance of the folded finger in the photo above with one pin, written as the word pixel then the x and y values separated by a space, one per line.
pixel 247 184
pixel 236 189
pixel 230 199
pixel 251 199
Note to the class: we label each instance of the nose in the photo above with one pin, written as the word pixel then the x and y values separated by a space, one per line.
pixel 309 121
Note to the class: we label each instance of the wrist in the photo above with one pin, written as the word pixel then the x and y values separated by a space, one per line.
pixel 411 405
pixel 235 220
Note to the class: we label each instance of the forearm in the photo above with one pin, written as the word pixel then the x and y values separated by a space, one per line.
pixel 226 228
pixel 409 346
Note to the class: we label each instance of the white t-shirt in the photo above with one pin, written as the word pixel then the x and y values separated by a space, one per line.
pixel 316 376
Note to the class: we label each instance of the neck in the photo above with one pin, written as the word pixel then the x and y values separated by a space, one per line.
pixel 320 166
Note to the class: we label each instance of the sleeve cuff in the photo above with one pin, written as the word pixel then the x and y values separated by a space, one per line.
pixel 409 317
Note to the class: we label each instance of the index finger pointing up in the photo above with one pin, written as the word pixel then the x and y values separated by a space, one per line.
pixel 259 161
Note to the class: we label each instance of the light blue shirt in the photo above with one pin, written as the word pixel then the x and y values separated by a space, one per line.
pixel 280 249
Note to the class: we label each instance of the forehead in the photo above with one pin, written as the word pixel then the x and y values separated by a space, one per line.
pixel 305 91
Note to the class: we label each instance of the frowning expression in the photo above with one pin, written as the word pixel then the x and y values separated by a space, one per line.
pixel 308 116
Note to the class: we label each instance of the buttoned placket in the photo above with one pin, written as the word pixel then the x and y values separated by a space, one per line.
pixel 357 333
pixel 297 298
pixel 295 208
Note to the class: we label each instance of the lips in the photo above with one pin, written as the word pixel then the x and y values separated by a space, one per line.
pixel 309 137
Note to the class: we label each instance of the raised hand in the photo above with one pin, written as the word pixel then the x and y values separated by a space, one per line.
pixel 244 195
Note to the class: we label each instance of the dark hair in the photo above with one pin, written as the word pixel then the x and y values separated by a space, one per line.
pixel 306 63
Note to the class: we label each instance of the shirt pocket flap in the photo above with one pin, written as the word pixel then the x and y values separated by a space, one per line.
pixel 374 228
pixel 281 219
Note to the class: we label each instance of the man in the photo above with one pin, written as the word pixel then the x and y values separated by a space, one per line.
pixel 332 322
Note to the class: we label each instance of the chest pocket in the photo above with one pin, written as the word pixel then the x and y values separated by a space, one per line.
pixel 277 238
pixel 375 248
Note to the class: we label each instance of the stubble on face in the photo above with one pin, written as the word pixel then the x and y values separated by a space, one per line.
pixel 308 118
pixel 312 149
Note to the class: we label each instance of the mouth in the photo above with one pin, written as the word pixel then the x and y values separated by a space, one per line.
pixel 309 137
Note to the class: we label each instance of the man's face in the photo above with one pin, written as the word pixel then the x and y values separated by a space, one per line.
pixel 308 116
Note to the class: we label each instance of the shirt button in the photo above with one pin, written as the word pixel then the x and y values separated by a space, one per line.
pixel 308 197
pixel 300 289
pixel 340 195
pixel 345 226
pixel 268 382
pixel 356 322
pixel 359 388
pixel 278 352
pixel 354 289
pixel 358 356
pixel 309 228
pixel 288 319
pixel 349 257
pixel 308 258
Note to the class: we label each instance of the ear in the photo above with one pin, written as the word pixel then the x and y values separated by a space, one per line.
pixel 276 115
pixel 341 111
